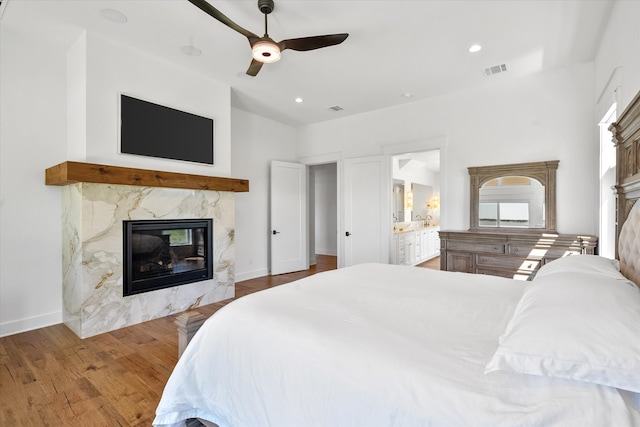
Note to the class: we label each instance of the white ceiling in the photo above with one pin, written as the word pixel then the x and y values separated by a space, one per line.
pixel 394 47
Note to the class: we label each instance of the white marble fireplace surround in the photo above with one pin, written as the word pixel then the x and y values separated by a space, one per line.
pixel 93 245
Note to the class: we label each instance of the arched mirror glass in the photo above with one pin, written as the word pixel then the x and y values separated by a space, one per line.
pixel 518 196
pixel 511 201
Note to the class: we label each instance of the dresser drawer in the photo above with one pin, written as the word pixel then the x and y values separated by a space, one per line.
pixel 494 272
pixel 557 252
pixel 541 251
pixel 525 250
pixel 510 263
pixel 475 247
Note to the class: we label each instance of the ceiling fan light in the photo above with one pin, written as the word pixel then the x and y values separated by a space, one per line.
pixel 265 51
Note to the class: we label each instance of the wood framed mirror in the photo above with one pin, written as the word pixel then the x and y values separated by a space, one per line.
pixel 519 196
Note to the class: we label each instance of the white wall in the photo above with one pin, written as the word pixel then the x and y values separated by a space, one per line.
pixel 42 101
pixel 543 117
pixel 32 138
pixel 113 68
pixel 617 63
pixel 256 141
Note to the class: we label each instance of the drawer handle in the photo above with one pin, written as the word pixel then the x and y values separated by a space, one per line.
pixel 517 250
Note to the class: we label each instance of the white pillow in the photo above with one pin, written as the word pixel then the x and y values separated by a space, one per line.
pixel 582 264
pixel 577 326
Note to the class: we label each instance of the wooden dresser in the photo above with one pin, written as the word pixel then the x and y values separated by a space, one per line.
pixel 507 254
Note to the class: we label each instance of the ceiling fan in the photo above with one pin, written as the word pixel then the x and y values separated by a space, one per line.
pixel 264 49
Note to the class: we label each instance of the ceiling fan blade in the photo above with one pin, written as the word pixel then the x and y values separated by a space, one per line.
pixel 314 42
pixel 210 10
pixel 254 67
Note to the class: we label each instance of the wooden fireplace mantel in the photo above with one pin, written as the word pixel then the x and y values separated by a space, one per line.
pixel 73 172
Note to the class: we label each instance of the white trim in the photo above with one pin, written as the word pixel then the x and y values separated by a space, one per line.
pixel 240 277
pixel 31 323
pixel 336 158
pixel 428 144
pixel 434 143
pixel 321 159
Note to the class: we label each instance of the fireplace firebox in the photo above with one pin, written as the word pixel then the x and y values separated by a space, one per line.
pixel 164 253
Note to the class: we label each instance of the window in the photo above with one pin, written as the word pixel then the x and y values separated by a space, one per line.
pixel 607 242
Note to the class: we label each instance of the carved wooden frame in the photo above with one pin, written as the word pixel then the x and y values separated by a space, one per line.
pixel 626 138
pixel 544 172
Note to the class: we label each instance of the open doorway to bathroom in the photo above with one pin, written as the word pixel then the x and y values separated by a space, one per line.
pixel 416 208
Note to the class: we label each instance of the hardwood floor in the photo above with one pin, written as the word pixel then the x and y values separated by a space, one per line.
pixel 433 263
pixel 50 377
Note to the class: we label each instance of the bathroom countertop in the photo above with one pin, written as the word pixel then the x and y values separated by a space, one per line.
pixel 413 228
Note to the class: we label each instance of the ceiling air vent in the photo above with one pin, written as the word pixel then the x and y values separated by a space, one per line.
pixel 336 108
pixel 496 69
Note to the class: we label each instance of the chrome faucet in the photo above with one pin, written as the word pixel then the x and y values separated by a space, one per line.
pixel 428 220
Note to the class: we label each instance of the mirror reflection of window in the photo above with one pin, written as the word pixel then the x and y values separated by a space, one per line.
pixel 514 215
pixel 512 201
pixel 179 236
pixel 488 214
pixel 504 214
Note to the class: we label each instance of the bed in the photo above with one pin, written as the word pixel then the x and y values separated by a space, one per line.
pixel 387 345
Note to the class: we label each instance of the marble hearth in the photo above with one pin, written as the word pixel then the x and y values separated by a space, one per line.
pixel 93 248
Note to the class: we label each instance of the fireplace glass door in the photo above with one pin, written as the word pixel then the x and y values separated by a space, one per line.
pixel 164 253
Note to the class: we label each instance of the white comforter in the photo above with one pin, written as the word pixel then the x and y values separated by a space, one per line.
pixel 374 345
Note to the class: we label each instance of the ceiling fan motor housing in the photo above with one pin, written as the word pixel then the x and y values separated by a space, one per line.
pixel 266 6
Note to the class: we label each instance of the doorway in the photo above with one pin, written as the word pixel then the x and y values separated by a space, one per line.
pixel 416 176
pixel 416 207
pixel 323 211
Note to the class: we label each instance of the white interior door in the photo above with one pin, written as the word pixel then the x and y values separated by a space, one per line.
pixel 288 217
pixel 367 210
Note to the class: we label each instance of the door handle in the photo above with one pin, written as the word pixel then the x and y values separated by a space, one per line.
pixel 275 232
pixel 347 234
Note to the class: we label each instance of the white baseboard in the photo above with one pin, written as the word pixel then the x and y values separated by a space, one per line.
pixel 24 325
pixel 331 252
pixel 251 274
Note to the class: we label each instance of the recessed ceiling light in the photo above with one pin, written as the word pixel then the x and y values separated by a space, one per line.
pixel 298 100
pixel 475 48
pixel 114 16
pixel 407 95
pixel 191 50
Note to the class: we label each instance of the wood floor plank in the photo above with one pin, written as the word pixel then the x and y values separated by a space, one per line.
pixel 50 377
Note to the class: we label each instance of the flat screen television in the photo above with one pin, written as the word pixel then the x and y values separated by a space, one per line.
pixel 149 129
